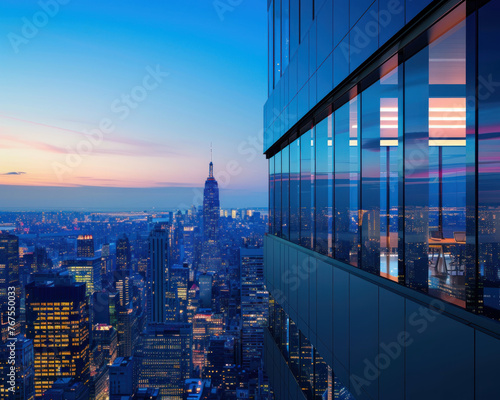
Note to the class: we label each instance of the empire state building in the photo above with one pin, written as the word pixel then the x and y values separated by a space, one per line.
pixel 211 259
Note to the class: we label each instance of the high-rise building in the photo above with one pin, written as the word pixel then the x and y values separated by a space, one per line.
pixel 384 213
pixel 158 276
pixel 57 320
pixel 10 290
pixel 67 389
pixel 123 254
pixel 164 357
pixel 86 270
pixel 254 306
pixel 179 279
pixel 122 378
pixel 205 285
pixel 85 246
pixel 17 384
pixel 105 339
pixel 210 258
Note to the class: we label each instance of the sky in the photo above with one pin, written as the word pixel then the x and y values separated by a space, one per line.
pixel 131 94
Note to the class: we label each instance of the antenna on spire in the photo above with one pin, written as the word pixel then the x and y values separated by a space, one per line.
pixel 211 165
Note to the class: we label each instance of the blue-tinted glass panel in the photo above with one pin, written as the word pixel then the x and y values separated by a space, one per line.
pixel 285 192
pixel 347 166
pixel 294 26
pixel 341 61
pixel 295 191
pixel 489 158
pixel 270 49
pixel 285 33
pixel 391 16
pixel 357 9
pixel 277 41
pixel 413 7
pixel 324 186
pixel 277 193
pixel 340 20
pixel 324 32
pixel 271 196
pixel 380 175
pixel 306 16
pixel 307 168
pixel 363 38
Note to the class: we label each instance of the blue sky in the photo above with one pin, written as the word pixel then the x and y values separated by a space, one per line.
pixel 88 64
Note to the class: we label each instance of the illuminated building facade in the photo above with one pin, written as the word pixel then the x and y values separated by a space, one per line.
pixel 85 246
pixel 57 320
pixel 123 254
pixel 254 306
pixel 211 258
pixel 157 276
pixel 164 357
pixel 24 388
pixel 86 270
pixel 382 137
pixel 9 277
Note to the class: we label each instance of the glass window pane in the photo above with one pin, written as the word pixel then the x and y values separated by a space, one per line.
pixel 277 193
pixel 294 26
pixel 295 191
pixel 271 196
pixel 285 33
pixel 347 183
pixel 277 41
pixel 380 175
pixel 435 167
pixel 307 189
pixel 306 16
pixel 489 159
pixel 285 192
pixel 270 48
pixel 324 185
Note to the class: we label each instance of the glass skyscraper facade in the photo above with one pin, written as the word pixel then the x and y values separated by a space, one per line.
pixel 382 137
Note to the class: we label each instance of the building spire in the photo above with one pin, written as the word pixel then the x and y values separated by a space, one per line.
pixel 211 165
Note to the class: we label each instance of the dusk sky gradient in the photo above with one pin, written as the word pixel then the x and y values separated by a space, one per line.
pixel 71 76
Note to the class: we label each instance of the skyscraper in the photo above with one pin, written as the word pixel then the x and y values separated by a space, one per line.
pixel 157 276
pixel 123 254
pixel 211 259
pixel 254 306
pixel 205 284
pixel 85 246
pixel 57 320
pixel 384 208
pixel 9 278
pixel 164 357
pixel 86 270
pixel 23 387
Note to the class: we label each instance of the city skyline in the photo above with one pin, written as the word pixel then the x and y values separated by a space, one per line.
pixel 169 64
